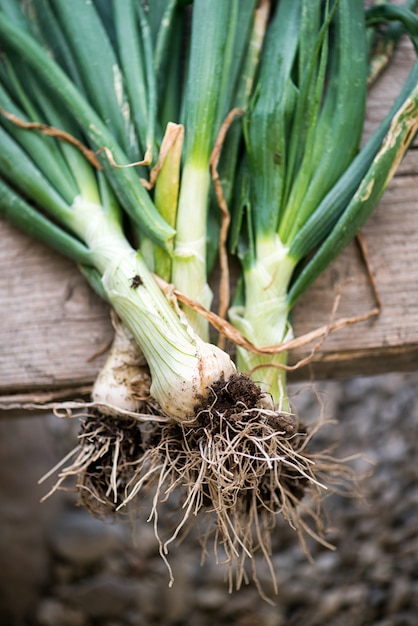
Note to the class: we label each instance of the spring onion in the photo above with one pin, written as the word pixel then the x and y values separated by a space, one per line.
pixel 305 190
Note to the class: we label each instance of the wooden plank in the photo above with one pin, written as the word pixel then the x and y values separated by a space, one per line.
pixel 51 324
pixel 389 343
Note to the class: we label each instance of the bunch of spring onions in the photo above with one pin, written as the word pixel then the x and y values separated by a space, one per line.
pixel 109 115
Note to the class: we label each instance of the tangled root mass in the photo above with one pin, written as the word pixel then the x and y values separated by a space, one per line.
pixel 238 461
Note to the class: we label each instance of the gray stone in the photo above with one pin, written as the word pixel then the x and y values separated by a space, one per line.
pixel 209 599
pixel 177 599
pixel 331 602
pixel 51 612
pixel 400 594
pixel 82 539
pixel 102 596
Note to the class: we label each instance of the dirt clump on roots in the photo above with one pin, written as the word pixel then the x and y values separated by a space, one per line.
pixel 241 400
pixel 112 446
pixel 239 463
pixel 103 462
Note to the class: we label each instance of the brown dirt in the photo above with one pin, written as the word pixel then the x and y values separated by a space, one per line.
pixel 107 440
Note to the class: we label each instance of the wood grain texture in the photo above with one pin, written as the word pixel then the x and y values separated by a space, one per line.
pixel 51 324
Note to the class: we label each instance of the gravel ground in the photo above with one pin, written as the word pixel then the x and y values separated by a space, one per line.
pixel 110 575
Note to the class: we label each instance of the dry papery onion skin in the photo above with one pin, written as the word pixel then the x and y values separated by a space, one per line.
pixel 239 462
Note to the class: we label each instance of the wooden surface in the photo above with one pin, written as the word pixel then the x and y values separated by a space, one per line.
pixel 51 324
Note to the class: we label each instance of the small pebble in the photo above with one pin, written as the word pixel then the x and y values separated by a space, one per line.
pixel 82 539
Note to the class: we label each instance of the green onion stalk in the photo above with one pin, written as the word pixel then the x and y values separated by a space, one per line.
pixel 305 188
pixel 383 42
pixel 218 39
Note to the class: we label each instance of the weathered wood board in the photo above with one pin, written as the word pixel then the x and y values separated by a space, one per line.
pixel 51 324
